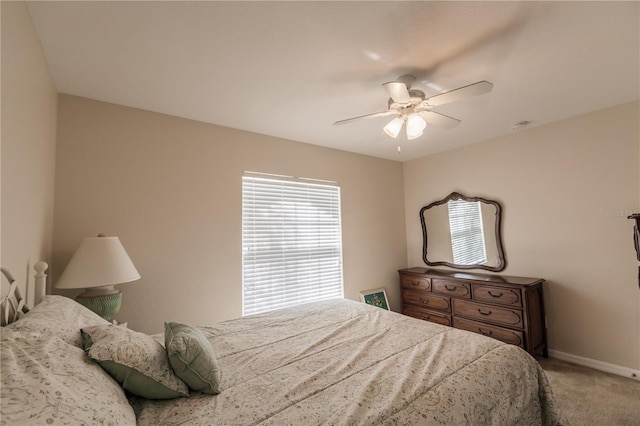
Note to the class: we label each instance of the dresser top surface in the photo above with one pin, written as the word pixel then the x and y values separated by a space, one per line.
pixel 477 277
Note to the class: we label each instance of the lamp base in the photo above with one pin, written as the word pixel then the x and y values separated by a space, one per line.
pixel 106 306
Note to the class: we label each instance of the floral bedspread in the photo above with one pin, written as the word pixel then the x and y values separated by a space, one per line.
pixel 342 362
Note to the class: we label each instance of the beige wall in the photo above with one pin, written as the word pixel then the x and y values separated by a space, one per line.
pixel 170 188
pixel 28 137
pixel 566 189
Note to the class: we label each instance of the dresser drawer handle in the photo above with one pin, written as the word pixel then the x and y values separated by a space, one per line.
pixel 486 333
pixel 416 283
pixel 484 313
pixel 495 295
pixel 424 301
pixel 452 288
pixel 426 318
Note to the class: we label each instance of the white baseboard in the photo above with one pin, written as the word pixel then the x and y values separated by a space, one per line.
pixel 595 364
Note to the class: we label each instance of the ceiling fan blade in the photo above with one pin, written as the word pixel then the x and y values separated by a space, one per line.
pixel 374 115
pixel 474 89
pixel 398 91
pixel 439 120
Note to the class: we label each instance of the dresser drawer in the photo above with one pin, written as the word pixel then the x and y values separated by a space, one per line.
pixel 498 295
pixel 512 337
pixel 424 314
pixel 451 288
pixel 486 313
pixel 411 282
pixel 426 300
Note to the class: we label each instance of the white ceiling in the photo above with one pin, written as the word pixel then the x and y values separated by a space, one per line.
pixel 290 69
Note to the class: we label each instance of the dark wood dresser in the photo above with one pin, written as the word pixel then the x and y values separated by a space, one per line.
pixel 506 308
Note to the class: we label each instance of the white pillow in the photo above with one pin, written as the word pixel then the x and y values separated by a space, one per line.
pixel 58 316
pixel 47 381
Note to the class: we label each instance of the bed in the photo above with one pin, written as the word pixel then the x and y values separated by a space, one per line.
pixel 331 362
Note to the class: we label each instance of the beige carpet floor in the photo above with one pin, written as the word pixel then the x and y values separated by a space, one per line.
pixel 591 397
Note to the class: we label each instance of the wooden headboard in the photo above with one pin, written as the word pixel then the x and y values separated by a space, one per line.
pixel 12 304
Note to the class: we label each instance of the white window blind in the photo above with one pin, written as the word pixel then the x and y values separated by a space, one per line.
pixel 291 242
pixel 467 234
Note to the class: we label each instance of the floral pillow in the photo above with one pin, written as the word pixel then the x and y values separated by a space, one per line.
pixel 136 360
pixel 58 316
pixel 47 381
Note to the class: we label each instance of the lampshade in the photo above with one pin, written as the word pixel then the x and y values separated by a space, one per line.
pixel 415 126
pixel 393 128
pixel 99 261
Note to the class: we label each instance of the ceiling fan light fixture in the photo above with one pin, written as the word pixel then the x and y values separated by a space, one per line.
pixel 393 127
pixel 415 126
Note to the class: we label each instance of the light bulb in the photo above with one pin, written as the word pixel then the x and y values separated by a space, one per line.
pixel 415 126
pixel 393 128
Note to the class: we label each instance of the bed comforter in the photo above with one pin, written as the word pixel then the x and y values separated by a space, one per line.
pixel 342 362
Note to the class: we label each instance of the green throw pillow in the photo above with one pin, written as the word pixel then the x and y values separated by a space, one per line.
pixel 191 357
pixel 135 360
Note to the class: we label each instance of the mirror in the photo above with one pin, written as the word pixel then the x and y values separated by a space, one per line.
pixel 463 232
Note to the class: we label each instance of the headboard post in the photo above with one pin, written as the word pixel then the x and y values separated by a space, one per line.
pixel 41 281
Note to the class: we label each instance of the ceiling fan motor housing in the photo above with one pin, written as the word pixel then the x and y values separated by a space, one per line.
pixel 417 97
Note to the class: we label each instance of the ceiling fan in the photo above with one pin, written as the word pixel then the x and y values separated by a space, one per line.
pixel 412 109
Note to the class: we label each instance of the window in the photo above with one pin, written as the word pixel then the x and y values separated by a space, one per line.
pixel 291 242
pixel 467 234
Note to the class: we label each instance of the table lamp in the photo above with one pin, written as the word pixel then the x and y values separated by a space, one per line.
pixel 97 266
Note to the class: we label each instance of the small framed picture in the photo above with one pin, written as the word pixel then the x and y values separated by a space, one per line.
pixel 377 297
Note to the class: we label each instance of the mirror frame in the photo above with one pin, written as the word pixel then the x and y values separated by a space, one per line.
pixel 502 261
